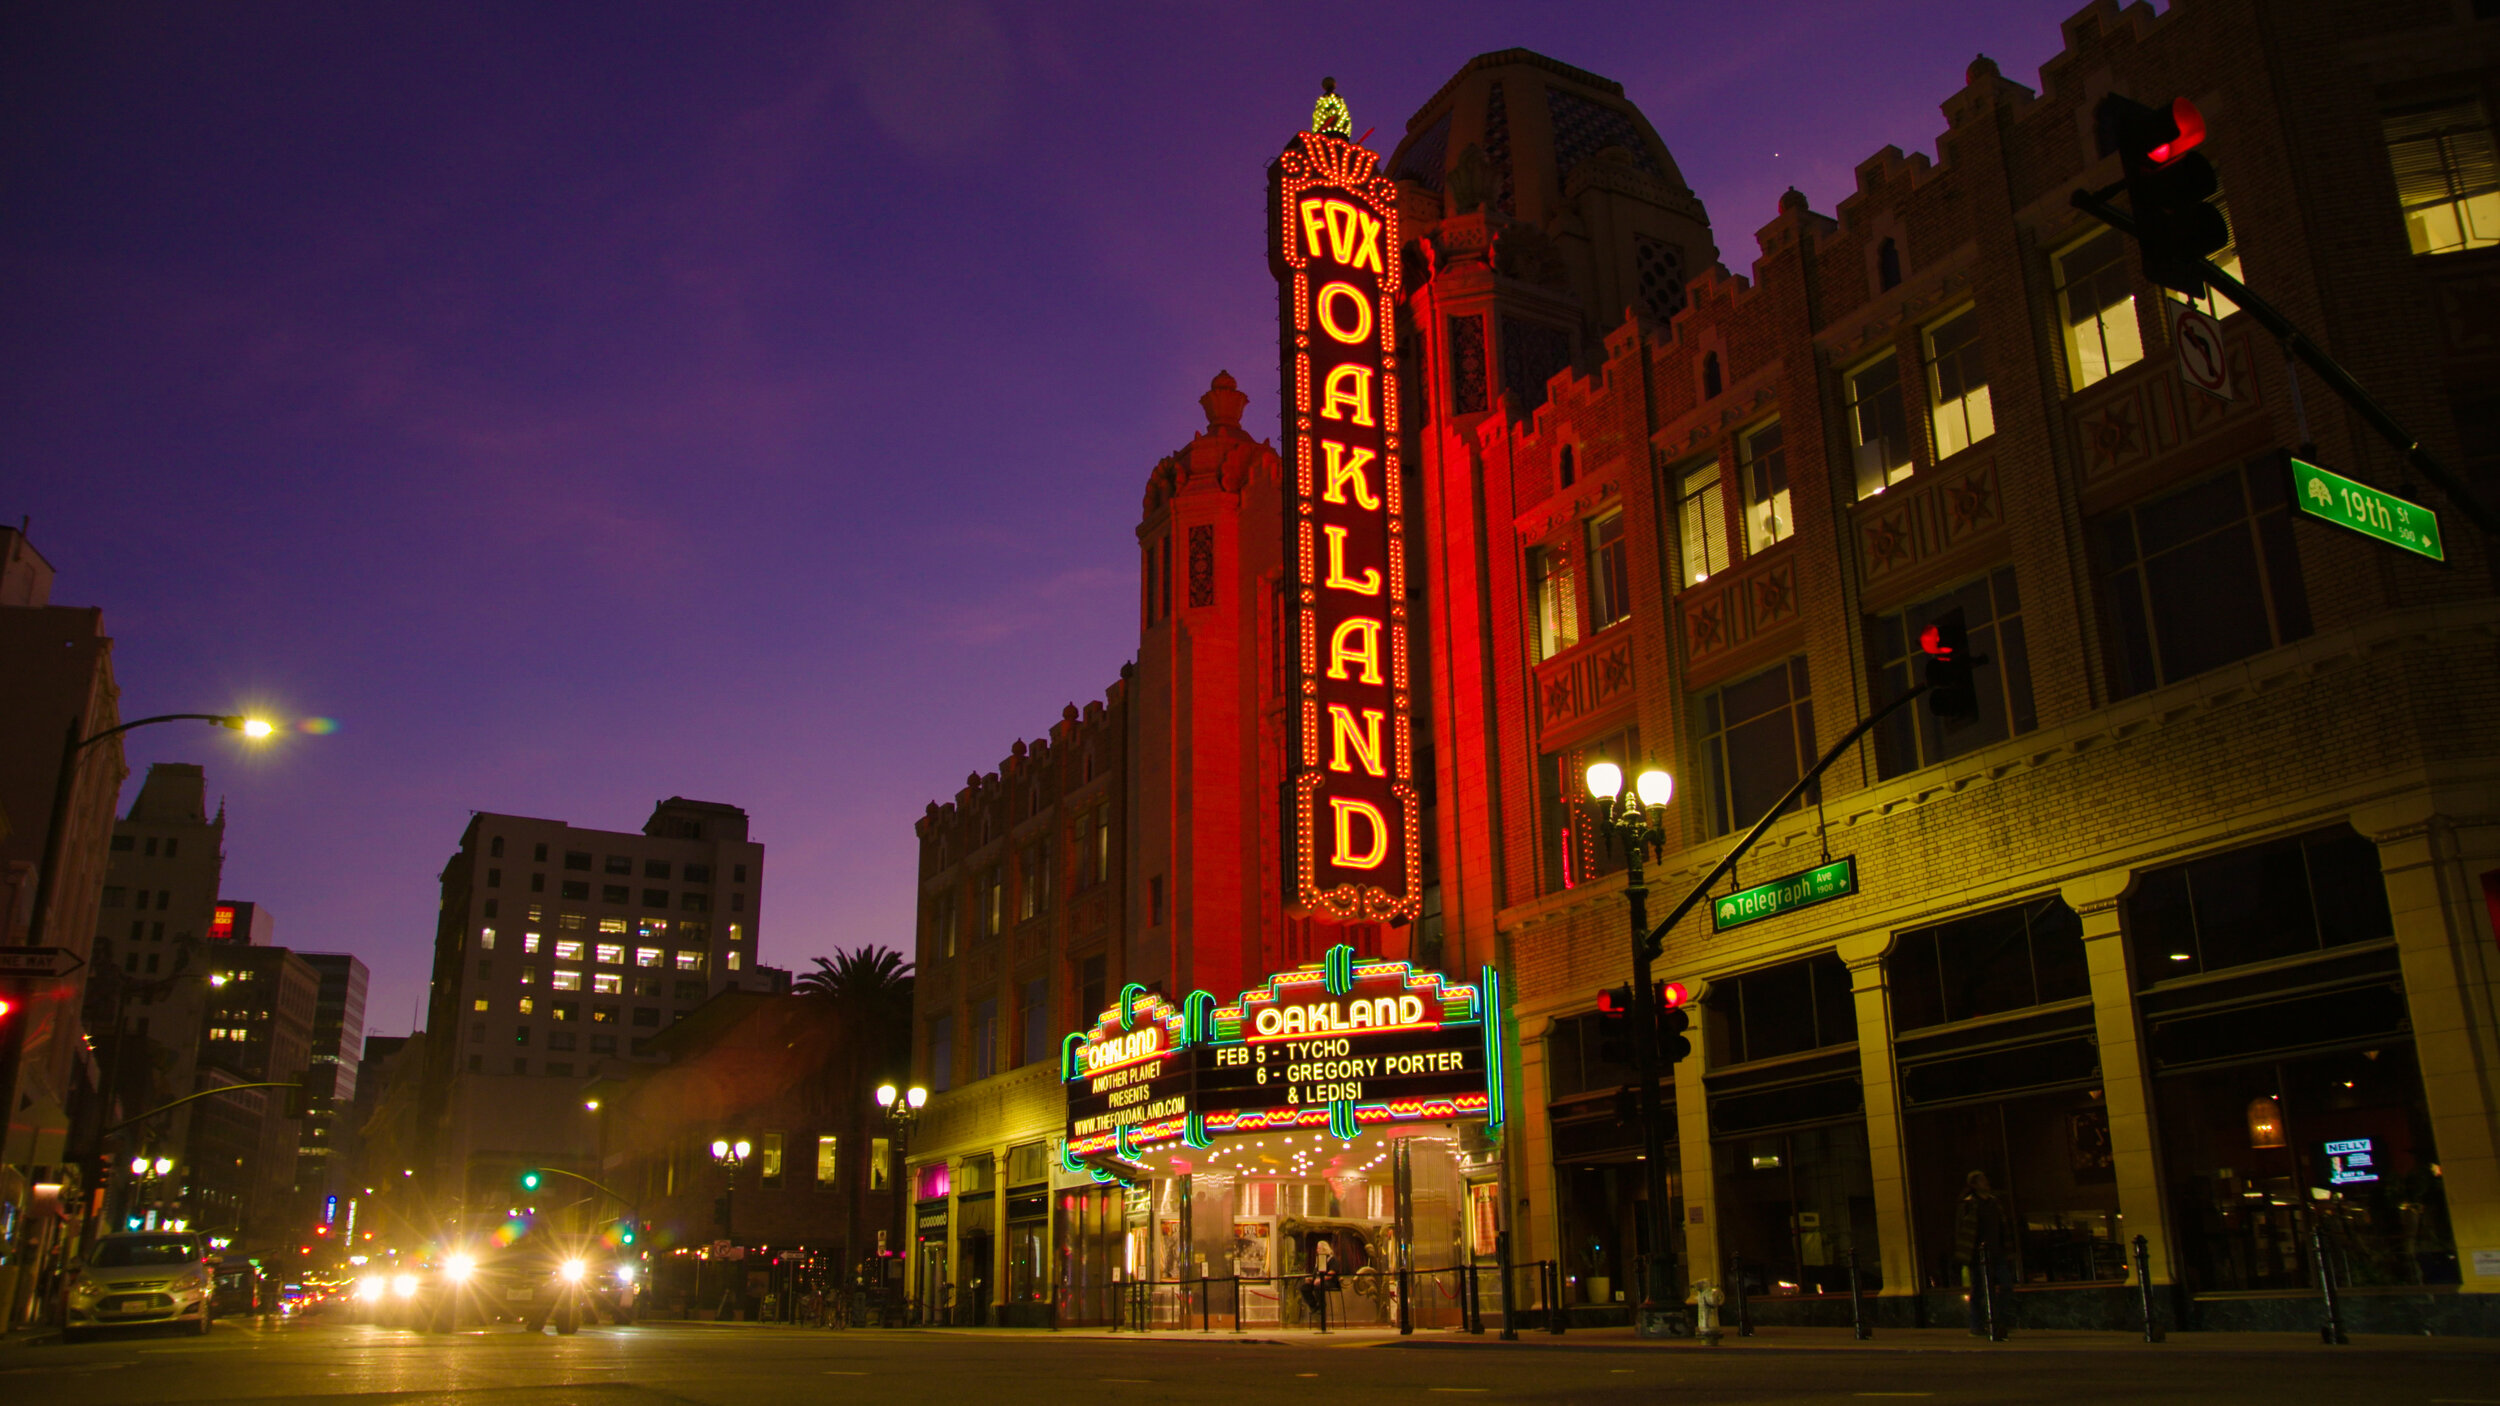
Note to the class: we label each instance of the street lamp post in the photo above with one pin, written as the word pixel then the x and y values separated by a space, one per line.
pixel 902 1109
pixel 729 1154
pixel 47 873
pixel 1634 822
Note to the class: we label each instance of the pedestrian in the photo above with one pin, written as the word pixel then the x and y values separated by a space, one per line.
pixel 1979 1243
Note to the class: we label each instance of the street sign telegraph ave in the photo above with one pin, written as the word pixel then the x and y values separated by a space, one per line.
pixel 2331 497
pixel 1821 884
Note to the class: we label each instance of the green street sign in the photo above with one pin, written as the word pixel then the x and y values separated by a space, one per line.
pixel 2331 497
pixel 1838 879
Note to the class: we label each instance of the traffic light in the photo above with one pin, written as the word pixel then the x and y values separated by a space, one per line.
pixel 1951 695
pixel 1614 1016
pixel 2170 186
pixel 624 1232
pixel 1673 1022
pixel 530 1179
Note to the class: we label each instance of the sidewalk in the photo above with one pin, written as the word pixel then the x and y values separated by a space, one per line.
pixel 1764 1340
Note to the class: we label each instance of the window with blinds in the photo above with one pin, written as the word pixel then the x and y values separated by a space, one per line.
pixel 2447 176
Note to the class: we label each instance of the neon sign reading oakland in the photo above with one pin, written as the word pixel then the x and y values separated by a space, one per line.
pixel 1357 817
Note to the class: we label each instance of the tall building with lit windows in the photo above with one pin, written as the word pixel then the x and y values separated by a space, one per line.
pixel 557 951
pixel 2189 935
pixel 2145 942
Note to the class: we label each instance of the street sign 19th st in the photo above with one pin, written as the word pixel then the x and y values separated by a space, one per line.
pixel 2328 496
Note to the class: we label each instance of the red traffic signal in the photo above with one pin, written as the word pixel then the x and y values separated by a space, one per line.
pixel 1951 695
pixel 1672 994
pixel 2170 185
pixel 1615 1001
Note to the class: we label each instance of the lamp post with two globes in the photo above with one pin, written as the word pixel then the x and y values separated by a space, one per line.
pixel 1634 823
pixel 902 1109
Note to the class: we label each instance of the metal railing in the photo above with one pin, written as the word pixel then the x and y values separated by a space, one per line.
pixel 1452 1298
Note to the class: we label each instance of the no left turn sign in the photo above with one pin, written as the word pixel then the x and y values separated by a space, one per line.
pixel 2203 360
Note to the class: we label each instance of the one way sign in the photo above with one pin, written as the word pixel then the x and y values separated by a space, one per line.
pixel 39 961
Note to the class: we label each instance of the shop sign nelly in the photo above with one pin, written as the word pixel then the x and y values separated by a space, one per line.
pixel 1357 816
pixel 1343 1044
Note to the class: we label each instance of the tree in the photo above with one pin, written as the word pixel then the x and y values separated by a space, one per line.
pixel 868 992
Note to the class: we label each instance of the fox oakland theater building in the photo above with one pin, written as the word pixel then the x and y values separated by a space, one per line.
pixel 1269 987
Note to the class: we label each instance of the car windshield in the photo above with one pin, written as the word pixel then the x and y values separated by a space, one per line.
pixel 118 1252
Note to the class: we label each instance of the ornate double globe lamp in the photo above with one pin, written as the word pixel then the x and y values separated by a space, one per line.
pixel 1634 824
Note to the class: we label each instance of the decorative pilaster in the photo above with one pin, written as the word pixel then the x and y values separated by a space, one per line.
pixel 1887 1152
pixel 2126 1085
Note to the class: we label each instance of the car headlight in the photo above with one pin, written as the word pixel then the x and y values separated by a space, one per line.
pixel 189 1281
pixel 84 1288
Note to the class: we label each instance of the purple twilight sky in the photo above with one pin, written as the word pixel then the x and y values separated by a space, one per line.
pixel 588 403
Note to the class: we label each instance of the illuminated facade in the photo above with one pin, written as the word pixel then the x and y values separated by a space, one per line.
pixel 2190 936
pixel 2138 943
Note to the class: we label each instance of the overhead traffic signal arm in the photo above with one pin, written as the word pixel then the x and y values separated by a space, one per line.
pixel 2296 343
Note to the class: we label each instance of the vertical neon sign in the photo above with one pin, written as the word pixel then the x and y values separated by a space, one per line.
pixel 1357 821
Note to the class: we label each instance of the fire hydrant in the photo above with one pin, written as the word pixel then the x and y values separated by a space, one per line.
pixel 1706 1300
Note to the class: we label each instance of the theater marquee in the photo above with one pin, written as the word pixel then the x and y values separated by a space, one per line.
pixel 1344 1044
pixel 1357 818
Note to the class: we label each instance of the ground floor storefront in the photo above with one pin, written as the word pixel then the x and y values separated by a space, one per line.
pixel 2237 1071
pixel 1321 1152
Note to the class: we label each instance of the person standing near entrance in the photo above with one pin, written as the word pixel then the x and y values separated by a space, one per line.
pixel 1979 1242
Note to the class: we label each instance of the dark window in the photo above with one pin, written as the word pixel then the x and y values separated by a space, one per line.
pixel 520 1034
pixel 2198 578
pixel 942 1053
pixel 1093 990
pixel 1566 466
pixel 494 847
pixel 151 850
pixel 574 889
pixel 695 873
pixel 985 1038
pixel 655 898
pixel 124 844
pixel 1782 1010
pixel 603 1044
pixel 538 884
pixel 1710 382
pixel 1154 901
pixel 1888 264
pixel 540 855
pixel 490 908
pixel 656 869
pixel 1757 739
pixel 561 1039
pixel 1610 573
pixel 559 1069
pixel 574 859
pixel 603 1015
pixel 520 1064
pixel 1574 847
pixel 689 991
pixel 613 893
pixel 2030 955
pixel 1576 1058
pixel 1467 379
pixel 494 878
pixel 2284 898
pixel 173 846
pixel 620 864
pixel 696 902
pixel 738 874
pixel 1992 614
pixel 477 1064
pixel 1033 1016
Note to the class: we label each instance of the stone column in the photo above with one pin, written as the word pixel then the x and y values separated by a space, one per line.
pixel 1704 1255
pixel 2450 967
pixel 1887 1153
pixel 2126 1066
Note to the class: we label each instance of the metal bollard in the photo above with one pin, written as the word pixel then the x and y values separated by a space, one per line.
pixel 1983 1283
pixel 2144 1288
pixel 1510 1286
pixel 2331 1331
pixel 1406 1301
pixel 1744 1311
pixel 1857 1303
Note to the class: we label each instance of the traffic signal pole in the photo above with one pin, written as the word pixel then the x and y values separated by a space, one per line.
pixel 1646 948
pixel 2096 204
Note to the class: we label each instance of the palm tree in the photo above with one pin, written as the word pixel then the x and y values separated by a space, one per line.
pixel 868 991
